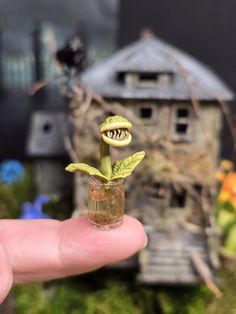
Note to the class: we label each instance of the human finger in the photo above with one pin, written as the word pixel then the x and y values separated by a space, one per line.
pixel 5 274
pixel 48 249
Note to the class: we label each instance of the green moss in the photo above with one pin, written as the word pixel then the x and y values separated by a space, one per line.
pixel 109 292
pixel 227 304
pixel 103 292
pixel 30 299
pixel 184 300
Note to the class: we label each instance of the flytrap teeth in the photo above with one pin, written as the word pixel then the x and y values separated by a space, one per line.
pixel 117 134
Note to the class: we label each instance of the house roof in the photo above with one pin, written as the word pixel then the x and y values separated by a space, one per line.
pixel 191 77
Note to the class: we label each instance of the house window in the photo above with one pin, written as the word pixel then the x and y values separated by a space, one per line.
pixel 182 112
pixel 159 195
pixel 181 128
pixel 181 123
pixel 159 191
pixel 143 79
pixel 47 127
pixel 178 198
pixel 148 77
pixel 121 77
pixel 197 192
pixel 146 112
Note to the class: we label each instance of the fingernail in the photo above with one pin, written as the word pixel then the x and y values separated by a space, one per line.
pixel 145 242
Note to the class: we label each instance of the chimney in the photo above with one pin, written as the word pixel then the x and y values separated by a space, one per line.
pixel 146 33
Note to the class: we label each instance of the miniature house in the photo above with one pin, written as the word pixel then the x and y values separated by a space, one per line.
pixel 45 147
pixel 178 101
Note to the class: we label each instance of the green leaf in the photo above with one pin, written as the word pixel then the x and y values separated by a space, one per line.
pixel 124 168
pixel 75 167
pixel 226 219
pixel 230 243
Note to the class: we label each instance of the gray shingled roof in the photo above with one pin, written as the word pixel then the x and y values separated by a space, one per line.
pixel 155 55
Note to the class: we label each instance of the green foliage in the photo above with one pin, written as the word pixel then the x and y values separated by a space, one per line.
pixel 227 304
pixel 106 292
pixel 116 301
pixel 29 299
pixel 124 168
pixel 55 299
pixel 8 204
pixel 226 219
pixel 84 297
pixel 59 209
pixel 230 243
pixel 184 300
pixel 225 206
pixel 12 196
pixel 120 169
pixel 75 167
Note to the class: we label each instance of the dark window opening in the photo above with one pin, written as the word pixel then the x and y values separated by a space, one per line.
pixel 182 113
pixel 145 112
pixel 182 123
pixel 178 199
pixel 159 191
pixel 181 128
pixel 47 127
pixel 197 191
pixel 148 76
pixel 121 77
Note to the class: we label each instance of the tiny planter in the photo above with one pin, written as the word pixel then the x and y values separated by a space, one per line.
pixel 106 185
pixel 105 203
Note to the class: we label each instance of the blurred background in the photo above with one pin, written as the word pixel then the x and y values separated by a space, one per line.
pixel 28 30
pixel 203 28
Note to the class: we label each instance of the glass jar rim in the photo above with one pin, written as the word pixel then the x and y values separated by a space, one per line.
pixel 96 181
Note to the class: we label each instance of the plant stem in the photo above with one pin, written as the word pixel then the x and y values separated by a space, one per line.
pixel 105 167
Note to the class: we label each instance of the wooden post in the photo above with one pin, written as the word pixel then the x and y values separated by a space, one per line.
pixel 205 273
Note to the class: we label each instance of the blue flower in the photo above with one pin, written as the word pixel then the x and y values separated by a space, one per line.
pixel 11 171
pixel 34 210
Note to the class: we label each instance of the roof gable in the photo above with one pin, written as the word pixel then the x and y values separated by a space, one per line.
pixel 154 55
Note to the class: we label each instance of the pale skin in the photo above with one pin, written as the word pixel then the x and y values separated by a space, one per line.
pixel 40 250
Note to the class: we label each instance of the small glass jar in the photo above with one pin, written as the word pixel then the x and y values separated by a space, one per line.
pixel 105 203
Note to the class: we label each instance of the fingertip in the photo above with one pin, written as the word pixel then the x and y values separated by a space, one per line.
pixel 130 233
pixel 135 227
pixel 91 248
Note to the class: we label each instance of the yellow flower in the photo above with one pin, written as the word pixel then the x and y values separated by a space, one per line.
pixel 224 196
pixel 227 165
pixel 220 176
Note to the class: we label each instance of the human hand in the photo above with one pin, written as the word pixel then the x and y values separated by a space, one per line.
pixel 38 250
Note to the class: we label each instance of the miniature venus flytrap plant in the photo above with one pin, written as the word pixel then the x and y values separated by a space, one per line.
pixel 106 185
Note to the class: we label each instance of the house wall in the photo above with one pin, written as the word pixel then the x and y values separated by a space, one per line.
pixel 196 154
pixel 194 158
